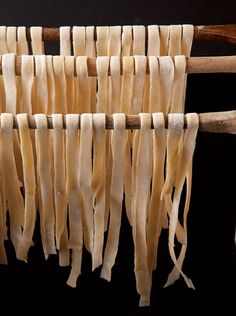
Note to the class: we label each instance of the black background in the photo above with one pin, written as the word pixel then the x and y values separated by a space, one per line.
pixel 210 260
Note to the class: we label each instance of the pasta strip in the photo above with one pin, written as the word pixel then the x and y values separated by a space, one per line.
pixel 153 41
pixel 41 83
pixel 114 41
pixel 27 75
pixel 11 39
pixel 74 199
pixel 126 98
pixel 65 43
pixel 10 85
pixel 116 196
pixel 126 40
pixel 3 40
pixel 45 180
pixel 22 44
pixel 166 83
pixel 29 185
pixel 178 93
pixel 36 40
pixel 141 201
pixel 78 34
pixel 70 83
pixel 60 188
pixel 85 177
pixel 50 84
pixel 102 78
pixel 156 205
pixel 164 39
pixel 10 179
pixel 98 185
pixel 83 84
pixel 102 40
pixel 60 85
pixel 175 40
pixel 183 169
pixel 139 34
pixel 90 52
pixel 187 39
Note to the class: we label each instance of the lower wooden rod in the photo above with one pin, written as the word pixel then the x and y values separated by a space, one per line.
pixel 213 122
pixel 221 64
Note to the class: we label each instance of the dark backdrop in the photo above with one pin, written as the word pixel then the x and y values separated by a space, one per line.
pixel 210 260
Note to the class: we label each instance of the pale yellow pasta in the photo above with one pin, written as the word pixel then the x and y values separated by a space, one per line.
pixel 116 194
pixel 10 85
pixel 44 169
pixel 29 187
pixel 126 40
pixel 10 179
pixel 90 52
pixel 60 197
pixel 102 78
pixel 22 44
pixel 73 196
pixel 164 39
pixel 41 88
pixel 36 40
pixel 187 39
pixel 3 257
pixel 102 40
pixel 50 84
pixel 70 83
pixel 175 40
pixel 183 169
pixel 126 99
pixel 153 48
pixel 114 41
pixel 8 71
pixel 65 43
pixel 83 84
pixel 11 39
pixel 155 207
pixel 141 200
pixel 27 75
pixel 85 177
pixel 60 85
pixel 98 185
pixel 139 35
pixel 78 40
pixel 3 40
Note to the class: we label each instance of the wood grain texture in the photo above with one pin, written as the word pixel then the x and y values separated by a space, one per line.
pixel 221 64
pixel 219 33
pixel 214 122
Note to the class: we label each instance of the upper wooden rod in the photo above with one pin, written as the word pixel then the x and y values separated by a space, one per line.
pixel 213 122
pixel 221 64
pixel 226 33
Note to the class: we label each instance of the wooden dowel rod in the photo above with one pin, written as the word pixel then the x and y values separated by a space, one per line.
pixel 223 64
pixel 214 122
pixel 220 33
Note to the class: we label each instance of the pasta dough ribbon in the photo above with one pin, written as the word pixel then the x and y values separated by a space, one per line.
pixel 98 185
pixel 85 177
pixel 116 196
pixel 29 185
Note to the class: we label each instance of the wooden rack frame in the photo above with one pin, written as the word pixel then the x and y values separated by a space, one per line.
pixel 221 64
pixel 225 33
pixel 213 122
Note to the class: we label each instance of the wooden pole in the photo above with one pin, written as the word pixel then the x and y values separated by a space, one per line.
pixel 223 64
pixel 214 122
pixel 226 33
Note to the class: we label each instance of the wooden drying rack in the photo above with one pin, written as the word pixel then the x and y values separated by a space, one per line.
pixel 218 122
pixel 213 122
pixel 225 33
